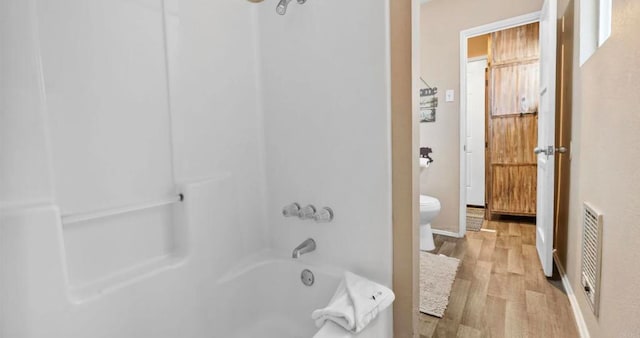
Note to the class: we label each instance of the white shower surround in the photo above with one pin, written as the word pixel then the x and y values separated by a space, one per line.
pixel 325 94
pixel 265 110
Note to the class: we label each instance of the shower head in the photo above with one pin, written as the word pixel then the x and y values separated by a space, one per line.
pixel 282 7
pixel 283 4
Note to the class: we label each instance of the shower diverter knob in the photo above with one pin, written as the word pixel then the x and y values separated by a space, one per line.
pixel 324 215
pixel 291 210
pixel 307 212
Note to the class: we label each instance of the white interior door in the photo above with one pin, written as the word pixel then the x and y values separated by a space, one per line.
pixel 546 135
pixel 475 131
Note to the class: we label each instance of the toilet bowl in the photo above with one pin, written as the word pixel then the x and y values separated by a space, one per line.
pixel 429 209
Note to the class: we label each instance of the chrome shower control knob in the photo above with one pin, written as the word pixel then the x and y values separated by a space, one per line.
pixel 307 212
pixel 324 215
pixel 281 8
pixel 291 210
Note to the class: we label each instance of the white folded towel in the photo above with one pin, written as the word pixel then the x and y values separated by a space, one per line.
pixel 357 302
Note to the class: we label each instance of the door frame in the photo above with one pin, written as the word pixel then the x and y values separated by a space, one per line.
pixel 464 36
pixel 484 58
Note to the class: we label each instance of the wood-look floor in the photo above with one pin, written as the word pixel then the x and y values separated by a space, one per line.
pixel 500 289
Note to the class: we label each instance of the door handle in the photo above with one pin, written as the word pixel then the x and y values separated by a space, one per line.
pixel 547 151
pixel 550 150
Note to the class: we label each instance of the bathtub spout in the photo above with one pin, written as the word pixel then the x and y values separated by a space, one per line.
pixel 306 246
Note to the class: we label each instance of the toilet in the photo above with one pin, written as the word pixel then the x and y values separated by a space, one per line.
pixel 429 209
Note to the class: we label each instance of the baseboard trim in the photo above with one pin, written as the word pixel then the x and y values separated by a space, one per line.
pixel 445 233
pixel 577 312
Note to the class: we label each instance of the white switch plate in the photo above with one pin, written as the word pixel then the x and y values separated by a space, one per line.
pixel 570 149
pixel 449 96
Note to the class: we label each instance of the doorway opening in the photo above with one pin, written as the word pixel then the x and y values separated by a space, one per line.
pixel 503 264
pixel 499 99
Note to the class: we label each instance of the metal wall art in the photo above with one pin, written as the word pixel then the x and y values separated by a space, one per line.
pixel 428 102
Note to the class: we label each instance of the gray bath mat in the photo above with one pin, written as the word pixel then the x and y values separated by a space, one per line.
pixel 475 218
pixel 437 273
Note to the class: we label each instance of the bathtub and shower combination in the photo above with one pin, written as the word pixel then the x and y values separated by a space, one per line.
pixel 116 108
pixel 190 292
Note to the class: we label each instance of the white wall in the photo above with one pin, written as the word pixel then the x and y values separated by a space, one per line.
pixel 105 80
pixel 106 99
pixel 25 175
pixel 324 85
pixel 218 123
pixel 93 97
pixel 96 79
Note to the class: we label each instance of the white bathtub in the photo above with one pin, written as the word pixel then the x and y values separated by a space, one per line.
pixel 267 299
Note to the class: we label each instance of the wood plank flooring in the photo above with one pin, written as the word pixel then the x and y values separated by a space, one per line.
pixel 500 289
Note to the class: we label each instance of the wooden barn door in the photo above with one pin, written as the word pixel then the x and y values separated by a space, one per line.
pixel 512 121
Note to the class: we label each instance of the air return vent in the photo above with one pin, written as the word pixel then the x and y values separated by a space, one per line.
pixel 591 255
